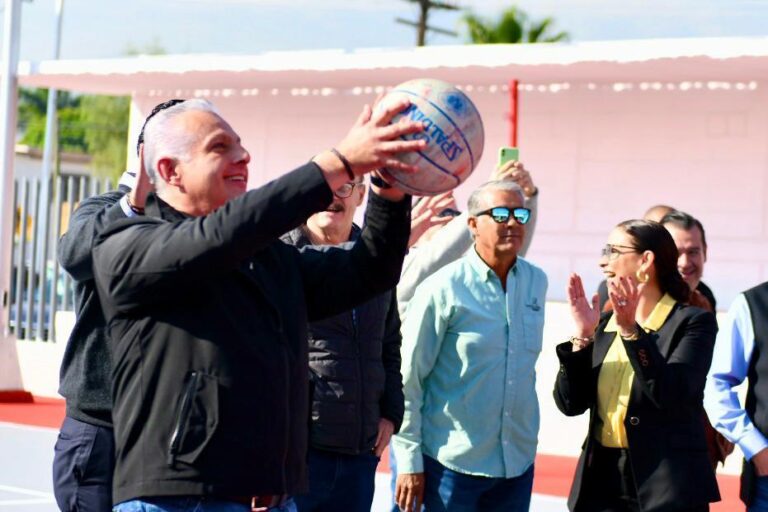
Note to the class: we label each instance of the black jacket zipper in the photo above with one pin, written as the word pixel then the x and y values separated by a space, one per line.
pixel 179 428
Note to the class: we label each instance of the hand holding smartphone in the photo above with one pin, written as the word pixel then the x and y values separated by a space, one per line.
pixel 507 154
pixel 517 173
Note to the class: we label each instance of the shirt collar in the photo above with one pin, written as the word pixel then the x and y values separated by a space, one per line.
pixel 482 268
pixel 655 320
pixel 156 207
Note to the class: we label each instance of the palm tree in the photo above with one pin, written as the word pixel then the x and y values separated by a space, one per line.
pixel 514 27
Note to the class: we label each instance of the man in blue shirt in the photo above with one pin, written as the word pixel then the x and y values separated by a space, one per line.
pixel 741 352
pixel 470 343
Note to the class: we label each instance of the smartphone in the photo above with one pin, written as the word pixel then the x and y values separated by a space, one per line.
pixel 506 154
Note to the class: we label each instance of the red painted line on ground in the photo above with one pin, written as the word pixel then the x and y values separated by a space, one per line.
pixel 43 412
pixel 554 474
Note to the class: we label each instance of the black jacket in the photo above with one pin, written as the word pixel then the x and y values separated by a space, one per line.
pixel 667 446
pixel 85 376
pixel 354 363
pixel 208 318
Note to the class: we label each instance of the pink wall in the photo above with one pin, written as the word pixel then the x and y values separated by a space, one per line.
pixel 599 157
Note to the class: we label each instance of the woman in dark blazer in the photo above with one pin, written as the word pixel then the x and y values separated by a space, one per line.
pixel 640 372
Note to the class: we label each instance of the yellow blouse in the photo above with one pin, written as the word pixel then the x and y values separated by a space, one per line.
pixel 615 380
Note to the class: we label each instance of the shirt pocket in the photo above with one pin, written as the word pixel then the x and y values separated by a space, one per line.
pixel 533 328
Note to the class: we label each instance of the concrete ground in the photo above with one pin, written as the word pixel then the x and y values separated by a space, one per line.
pixel 26 454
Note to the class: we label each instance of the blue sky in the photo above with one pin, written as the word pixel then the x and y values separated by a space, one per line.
pixel 106 28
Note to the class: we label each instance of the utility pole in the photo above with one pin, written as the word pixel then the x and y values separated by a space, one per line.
pixel 10 372
pixel 422 27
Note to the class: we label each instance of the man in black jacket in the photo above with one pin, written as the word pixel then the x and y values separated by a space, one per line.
pixel 208 310
pixel 355 381
pixel 84 453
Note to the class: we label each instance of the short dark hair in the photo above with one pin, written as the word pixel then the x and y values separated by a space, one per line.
pixel 652 236
pixel 685 221
pixel 158 108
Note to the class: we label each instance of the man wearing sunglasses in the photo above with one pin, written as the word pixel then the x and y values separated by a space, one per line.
pixel 471 338
pixel 454 239
pixel 356 387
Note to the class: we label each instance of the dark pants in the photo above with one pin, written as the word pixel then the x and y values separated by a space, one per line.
pixel 610 484
pixel 83 462
pixel 760 501
pixel 339 482
pixel 448 490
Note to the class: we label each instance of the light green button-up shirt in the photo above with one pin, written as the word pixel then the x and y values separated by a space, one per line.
pixel 469 355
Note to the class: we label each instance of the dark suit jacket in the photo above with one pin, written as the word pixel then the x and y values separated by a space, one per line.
pixel 85 376
pixel 667 446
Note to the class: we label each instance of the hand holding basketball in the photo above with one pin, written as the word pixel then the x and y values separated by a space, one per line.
pixel 453 135
pixel 374 142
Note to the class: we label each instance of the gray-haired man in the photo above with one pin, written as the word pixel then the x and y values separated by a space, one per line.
pixel 471 338
pixel 208 310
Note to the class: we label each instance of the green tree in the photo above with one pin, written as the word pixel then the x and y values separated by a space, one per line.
pixel 33 103
pixel 105 120
pixel 514 27
pixel 91 124
pixel 95 125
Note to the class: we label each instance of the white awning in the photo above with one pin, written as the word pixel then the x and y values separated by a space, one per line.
pixel 733 59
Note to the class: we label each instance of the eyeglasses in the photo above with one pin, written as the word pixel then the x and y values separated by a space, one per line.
pixel 611 251
pixel 501 214
pixel 346 190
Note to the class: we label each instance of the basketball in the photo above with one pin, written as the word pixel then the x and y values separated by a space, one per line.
pixel 453 130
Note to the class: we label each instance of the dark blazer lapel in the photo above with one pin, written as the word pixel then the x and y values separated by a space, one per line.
pixel 665 336
pixel 603 341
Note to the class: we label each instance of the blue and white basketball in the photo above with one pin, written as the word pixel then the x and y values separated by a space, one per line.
pixel 453 130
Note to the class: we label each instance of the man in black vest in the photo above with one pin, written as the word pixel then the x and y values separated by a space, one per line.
pixel 356 387
pixel 741 353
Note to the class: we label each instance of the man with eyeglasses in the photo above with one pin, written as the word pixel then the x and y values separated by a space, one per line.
pixel 471 338
pixel 354 363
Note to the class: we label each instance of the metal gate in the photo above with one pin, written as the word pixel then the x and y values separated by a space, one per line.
pixel 39 288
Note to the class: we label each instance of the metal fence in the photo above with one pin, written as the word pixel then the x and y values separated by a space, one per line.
pixel 39 288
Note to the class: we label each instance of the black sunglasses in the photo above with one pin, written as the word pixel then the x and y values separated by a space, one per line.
pixel 501 214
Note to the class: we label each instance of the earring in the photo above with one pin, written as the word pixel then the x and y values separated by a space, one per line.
pixel 641 276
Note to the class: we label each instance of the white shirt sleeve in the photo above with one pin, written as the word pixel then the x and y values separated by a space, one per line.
pixel 127 210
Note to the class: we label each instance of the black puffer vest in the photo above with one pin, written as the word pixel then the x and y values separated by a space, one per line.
pixel 354 363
